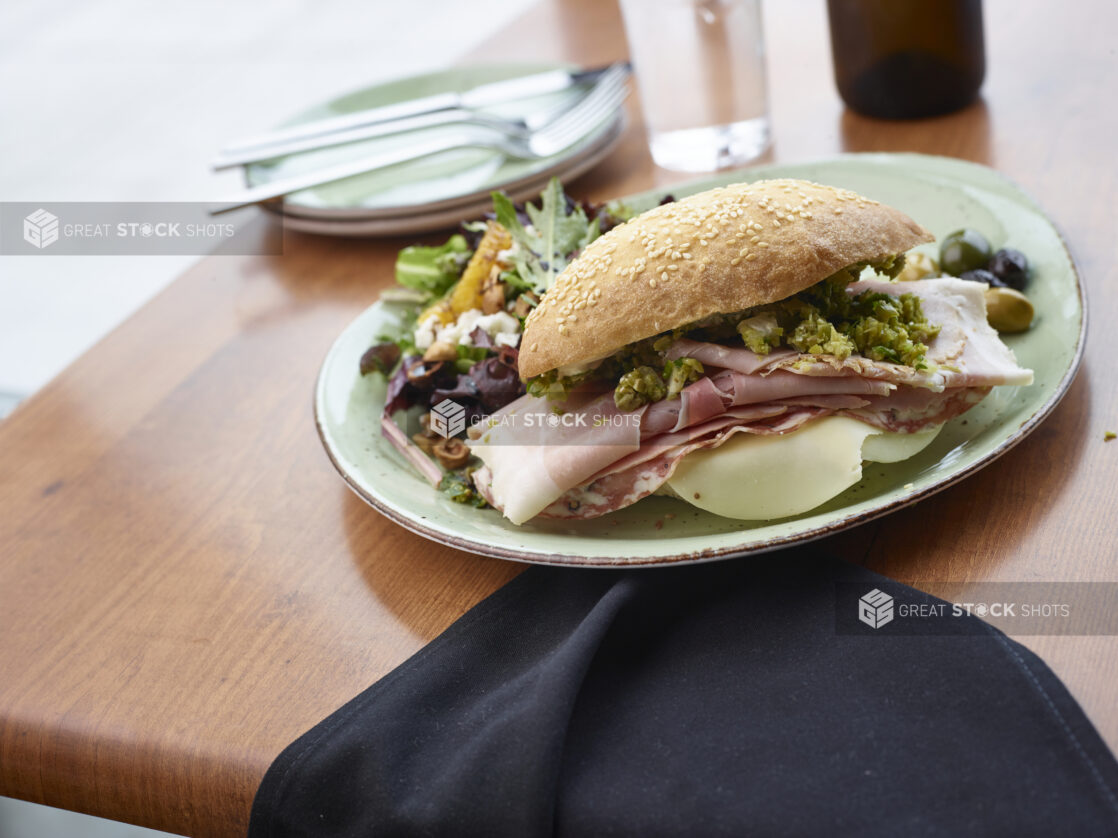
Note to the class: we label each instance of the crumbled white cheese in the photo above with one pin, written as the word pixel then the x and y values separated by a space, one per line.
pixel 459 331
pixel 502 327
pixel 425 332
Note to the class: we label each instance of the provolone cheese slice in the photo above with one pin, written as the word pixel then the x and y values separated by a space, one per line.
pixel 767 477
pixel 882 447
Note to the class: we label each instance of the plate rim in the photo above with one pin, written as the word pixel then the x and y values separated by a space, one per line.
pixel 582 560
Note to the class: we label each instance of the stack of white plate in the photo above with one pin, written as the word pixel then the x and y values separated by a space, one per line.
pixel 434 193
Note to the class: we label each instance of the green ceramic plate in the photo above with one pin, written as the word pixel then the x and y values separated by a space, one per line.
pixel 438 217
pixel 942 194
pixel 455 178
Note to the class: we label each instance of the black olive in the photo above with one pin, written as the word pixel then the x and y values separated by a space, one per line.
pixel 1011 266
pixel 982 275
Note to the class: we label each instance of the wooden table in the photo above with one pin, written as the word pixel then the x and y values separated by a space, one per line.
pixel 186 585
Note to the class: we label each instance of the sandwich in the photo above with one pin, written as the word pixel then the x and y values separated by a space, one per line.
pixel 745 350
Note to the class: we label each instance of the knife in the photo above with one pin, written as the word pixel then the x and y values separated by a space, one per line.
pixel 481 96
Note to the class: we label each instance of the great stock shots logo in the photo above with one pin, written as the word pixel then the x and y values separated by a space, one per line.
pixel 40 228
pixel 128 228
pixel 875 609
pixel 448 418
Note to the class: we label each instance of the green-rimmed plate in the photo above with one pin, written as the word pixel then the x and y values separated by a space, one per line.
pixel 397 198
pixel 941 193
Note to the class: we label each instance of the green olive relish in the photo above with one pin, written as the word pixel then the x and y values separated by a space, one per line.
pixel 824 319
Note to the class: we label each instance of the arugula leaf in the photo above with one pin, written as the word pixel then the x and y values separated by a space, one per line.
pixel 556 235
pixel 432 270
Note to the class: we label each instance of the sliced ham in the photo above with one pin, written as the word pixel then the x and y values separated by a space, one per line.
pixel 650 448
pixel 839 402
pixel 912 409
pixel 696 403
pixel 754 389
pixel 534 454
pixel 736 358
pixel 664 416
pixel 622 488
pixel 711 396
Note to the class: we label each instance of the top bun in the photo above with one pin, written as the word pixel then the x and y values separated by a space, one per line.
pixel 717 252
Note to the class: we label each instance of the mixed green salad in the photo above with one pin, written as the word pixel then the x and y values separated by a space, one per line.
pixel 467 300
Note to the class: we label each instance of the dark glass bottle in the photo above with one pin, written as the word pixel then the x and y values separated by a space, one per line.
pixel 901 59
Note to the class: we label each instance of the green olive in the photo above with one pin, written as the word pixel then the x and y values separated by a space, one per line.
pixel 962 251
pixel 1008 310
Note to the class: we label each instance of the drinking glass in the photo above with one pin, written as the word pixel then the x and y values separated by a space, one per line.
pixel 700 68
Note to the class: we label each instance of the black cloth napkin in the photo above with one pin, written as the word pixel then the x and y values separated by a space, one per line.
pixel 737 698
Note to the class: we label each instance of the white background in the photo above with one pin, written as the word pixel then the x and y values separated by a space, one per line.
pixel 117 100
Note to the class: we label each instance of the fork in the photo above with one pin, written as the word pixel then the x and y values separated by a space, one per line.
pixel 573 124
pixel 521 127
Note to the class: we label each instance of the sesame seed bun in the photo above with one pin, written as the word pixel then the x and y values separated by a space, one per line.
pixel 717 252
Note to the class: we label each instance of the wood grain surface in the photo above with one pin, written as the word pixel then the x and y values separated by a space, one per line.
pixel 186 585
